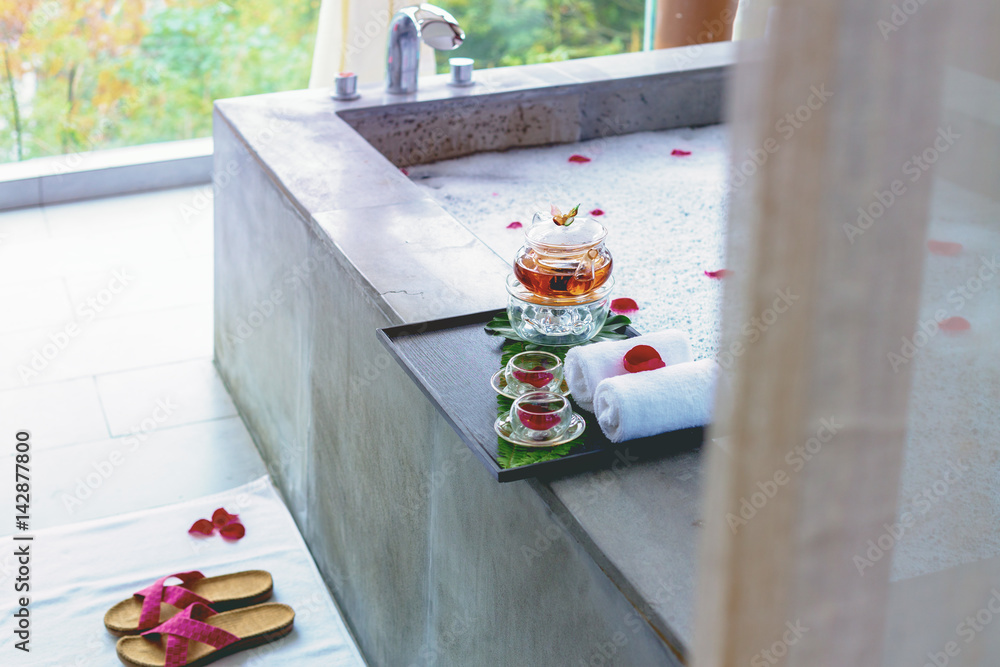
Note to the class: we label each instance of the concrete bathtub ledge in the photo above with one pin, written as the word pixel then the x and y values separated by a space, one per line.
pixel 320 239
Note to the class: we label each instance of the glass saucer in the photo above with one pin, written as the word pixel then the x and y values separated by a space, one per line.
pixel 499 384
pixel 576 427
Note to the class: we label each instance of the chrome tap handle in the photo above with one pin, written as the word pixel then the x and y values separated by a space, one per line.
pixel 436 27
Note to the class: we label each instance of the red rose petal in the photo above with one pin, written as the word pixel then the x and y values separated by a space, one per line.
pixel 221 517
pixel 537 378
pixel 580 159
pixel 537 418
pixel 515 225
pixel 202 527
pixel 954 324
pixel 406 172
pixel 642 358
pixel 720 274
pixel 677 152
pixel 944 248
pixel 624 306
pixel 233 531
pixel 597 211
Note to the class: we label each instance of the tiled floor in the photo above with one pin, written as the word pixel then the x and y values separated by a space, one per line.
pixel 106 348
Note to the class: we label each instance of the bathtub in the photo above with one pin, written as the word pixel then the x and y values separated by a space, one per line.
pixel 320 238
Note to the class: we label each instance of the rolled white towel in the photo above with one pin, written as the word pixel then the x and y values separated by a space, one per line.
pixel 637 405
pixel 587 365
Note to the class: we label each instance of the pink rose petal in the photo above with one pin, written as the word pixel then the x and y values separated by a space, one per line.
pixel 580 159
pixel 677 152
pixel 955 324
pixel 202 527
pixel 597 212
pixel 496 194
pixel 642 358
pixel 515 225
pixel 944 248
pixel 624 306
pixel 720 274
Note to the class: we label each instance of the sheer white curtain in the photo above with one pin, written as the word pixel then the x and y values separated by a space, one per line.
pixel 853 506
pixel 351 37
pixel 945 592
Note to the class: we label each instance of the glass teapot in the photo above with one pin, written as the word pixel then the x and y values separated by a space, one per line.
pixel 561 261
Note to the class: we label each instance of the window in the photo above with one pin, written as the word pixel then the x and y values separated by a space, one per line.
pixel 520 32
pixel 82 75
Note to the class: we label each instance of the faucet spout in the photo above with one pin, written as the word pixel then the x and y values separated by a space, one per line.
pixel 434 26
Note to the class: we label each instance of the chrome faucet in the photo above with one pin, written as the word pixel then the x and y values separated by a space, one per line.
pixel 436 27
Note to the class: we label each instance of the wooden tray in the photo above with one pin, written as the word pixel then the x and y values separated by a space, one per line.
pixel 452 361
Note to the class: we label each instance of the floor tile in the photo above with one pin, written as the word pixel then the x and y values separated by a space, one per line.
pixel 138 287
pixel 108 345
pixel 184 393
pixel 101 216
pixel 108 477
pixel 31 261
pixel 55 414
pixel 194 226
pixel 22 225
pixel 34 305
pixel 39 260
pixel 31 357
pixel 197 238
pixel 152 242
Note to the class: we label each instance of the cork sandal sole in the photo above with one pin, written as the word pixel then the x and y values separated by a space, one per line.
pixel 225 592
pixel 255 626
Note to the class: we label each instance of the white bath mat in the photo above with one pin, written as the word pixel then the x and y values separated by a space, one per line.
pixel 78 571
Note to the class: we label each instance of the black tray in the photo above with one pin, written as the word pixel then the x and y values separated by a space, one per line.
pixel 452 361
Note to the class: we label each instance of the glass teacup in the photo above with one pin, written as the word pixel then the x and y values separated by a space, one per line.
pixel 540 415
pixel 533 371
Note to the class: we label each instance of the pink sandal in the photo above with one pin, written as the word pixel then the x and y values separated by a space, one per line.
pixel 198 636
pixel 155 604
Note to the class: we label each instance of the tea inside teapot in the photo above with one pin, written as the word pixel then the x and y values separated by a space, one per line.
pixel 563 261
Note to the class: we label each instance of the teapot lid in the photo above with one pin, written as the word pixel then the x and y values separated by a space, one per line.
pixel 580 233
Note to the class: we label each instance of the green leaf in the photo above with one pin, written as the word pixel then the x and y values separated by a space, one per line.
pixel 513 456
pixel 615 322
pixel 500 326
pixel 571 216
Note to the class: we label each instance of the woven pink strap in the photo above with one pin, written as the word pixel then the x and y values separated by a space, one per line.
pixel 189 625
pixel 177 596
